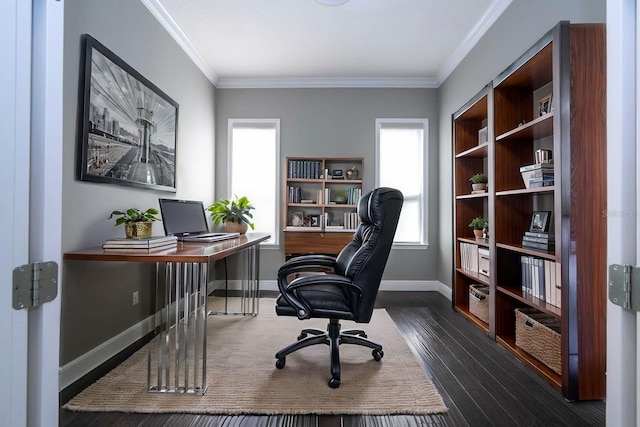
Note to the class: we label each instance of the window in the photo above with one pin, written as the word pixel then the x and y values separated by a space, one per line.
pixel 254 153
pixel 401 150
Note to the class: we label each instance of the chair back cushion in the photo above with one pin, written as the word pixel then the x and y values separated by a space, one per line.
pixel 363 260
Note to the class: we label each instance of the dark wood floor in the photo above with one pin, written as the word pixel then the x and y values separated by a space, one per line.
pixel 481 383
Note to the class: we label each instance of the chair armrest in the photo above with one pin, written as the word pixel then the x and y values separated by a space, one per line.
pixel 290 292
pixel 306 263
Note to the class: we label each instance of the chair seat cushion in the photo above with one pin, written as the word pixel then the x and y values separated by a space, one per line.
pixel 326 301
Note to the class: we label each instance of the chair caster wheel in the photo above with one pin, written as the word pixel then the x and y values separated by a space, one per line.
pixel 377 355
pixel 334 383
pixel 281 362
pixel 302 336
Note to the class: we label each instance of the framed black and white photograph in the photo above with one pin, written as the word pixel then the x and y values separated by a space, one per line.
pixel 314 220
pixel 127 127
pixel 544 105
pixel 297 219
pixel 540 221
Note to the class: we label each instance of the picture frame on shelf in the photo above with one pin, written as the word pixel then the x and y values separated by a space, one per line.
pixel 314 220
pixel 540 221
pixel 337 174
pixel 127 126
pixel 297 219
pixel 544 105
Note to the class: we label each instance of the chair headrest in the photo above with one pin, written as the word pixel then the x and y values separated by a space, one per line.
pixel 369 206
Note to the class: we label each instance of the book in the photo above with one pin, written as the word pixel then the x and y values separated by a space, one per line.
pixel 537 240
pixel 150 242
pixel 542 246
pixel 549 235
pixel 139 250
pixel 542 166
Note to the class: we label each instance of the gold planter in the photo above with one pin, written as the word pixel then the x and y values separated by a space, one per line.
pixel 137 230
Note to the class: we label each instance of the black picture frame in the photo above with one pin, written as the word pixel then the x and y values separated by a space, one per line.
pixel 540 221
pixel 314 220
pixel 127 126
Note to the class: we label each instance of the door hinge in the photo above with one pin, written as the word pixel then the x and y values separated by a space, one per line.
pixel 34 284
pixel 624 286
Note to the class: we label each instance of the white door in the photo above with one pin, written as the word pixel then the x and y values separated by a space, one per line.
pixel 623 209
pixel 31 36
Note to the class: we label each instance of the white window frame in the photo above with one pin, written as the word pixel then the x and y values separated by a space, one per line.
pixel 424 202
pixel 275 236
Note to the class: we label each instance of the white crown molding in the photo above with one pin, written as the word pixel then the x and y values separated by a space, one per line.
pixel 161 14
pixel 490 17
pixel 322 82
pixel 493 13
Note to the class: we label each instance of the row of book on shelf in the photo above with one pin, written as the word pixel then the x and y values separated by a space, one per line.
pixel 474 258
pixel 295 195
pixel 148 245
pixel 541 279
pixel 304 169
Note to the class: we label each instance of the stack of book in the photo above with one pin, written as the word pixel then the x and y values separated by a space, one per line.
pixel 545 241
pixel 537 175
pixel 151 244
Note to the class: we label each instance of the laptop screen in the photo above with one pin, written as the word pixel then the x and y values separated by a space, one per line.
pixel 183 217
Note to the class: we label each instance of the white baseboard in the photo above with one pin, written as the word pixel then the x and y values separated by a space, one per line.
pixel 76 369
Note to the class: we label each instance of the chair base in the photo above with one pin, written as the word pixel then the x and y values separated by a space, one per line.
pixel 332 337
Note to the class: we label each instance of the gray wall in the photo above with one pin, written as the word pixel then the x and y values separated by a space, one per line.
pixel 97 298
pixel 337 122
pixel 519 27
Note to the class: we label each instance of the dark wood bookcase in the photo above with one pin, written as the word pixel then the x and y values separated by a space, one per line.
pixel 568 63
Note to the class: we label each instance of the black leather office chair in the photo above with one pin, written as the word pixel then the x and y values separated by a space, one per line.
pixel 342 287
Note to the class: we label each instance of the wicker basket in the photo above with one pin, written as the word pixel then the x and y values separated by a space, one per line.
pixel 539 335
pixel 479 302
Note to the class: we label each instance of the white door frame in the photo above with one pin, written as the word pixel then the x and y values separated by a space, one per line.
pixel 622 206
pixel 31 36
pixel 45 213
pixel 15 107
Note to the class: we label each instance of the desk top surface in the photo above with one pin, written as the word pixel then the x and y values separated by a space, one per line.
pixel 184 252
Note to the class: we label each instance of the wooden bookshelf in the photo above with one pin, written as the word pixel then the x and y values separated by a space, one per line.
pixel 569 64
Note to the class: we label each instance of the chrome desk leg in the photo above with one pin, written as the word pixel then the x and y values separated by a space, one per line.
pixel 180 357
pixel 250 284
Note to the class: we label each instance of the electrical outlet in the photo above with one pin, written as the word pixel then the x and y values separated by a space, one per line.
pixel 135 298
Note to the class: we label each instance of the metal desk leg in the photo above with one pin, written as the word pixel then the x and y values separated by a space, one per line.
pixel 179 360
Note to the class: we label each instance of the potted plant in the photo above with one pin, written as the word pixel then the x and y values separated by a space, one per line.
pixel 235 214
pixel 479 225
pixel 137 224
pixel 479 182
pixel 341 196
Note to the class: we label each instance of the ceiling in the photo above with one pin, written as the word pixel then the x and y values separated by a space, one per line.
pixel 302 43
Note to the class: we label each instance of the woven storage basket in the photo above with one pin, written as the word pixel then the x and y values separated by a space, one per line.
pixel 479 302
pixel 539 335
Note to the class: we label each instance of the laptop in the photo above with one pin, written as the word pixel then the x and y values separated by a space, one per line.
pixel 186 219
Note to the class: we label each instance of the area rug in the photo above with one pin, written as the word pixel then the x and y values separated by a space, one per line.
pixel 242 377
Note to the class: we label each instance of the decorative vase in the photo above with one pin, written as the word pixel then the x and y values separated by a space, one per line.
pixel 138 230
pixel 235 227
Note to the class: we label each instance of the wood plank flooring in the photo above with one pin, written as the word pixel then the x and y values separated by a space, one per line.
pixel 481 383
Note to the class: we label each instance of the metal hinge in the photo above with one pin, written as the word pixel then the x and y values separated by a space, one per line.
pixel 623 280
pixel 34 284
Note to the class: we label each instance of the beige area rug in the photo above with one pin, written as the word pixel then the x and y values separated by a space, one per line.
pixel 242 377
